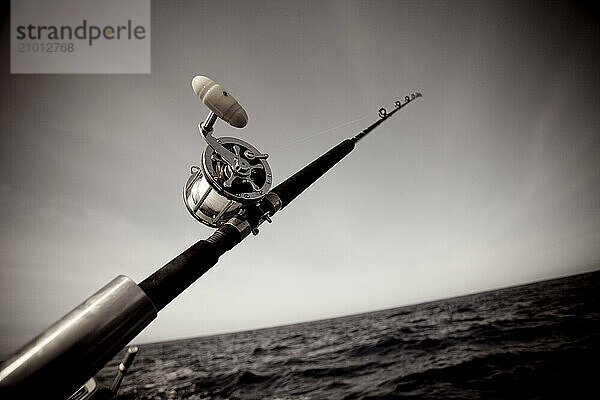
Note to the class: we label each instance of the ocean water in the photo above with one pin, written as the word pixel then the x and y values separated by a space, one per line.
pixel 534 341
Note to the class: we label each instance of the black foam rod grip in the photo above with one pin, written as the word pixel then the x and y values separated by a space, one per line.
pixel 179 273
pixel 173 278
pixel 291 188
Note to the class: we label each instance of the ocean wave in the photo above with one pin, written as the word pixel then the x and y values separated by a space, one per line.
pixel 537 341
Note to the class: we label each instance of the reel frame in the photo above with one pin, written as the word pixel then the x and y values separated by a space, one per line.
pixel 206 194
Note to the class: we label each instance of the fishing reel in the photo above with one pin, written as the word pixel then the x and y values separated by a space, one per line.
pixel 232 173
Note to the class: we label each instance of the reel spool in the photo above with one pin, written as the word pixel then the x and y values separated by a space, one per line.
pixel 232 172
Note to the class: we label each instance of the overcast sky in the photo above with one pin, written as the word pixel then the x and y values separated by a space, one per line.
pixel 491 179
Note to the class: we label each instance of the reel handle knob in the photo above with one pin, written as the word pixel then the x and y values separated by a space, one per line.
pixel 219 101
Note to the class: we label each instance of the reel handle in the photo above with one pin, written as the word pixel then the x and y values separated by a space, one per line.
pixel 219 101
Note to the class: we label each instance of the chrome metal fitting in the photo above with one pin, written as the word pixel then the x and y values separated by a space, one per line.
pixel 242 226
pixel 274 200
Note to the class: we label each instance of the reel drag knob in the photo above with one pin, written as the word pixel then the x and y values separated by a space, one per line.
pixel 219 101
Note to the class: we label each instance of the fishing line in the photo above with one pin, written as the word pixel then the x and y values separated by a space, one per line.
pixel 321 133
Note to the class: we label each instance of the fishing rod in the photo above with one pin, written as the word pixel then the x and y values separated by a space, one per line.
pixel 230 191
